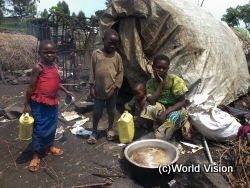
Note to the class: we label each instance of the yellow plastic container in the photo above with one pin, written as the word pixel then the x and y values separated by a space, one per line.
pixel 125 127
pixel 26 123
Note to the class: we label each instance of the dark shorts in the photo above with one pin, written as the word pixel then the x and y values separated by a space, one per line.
pixel 110 105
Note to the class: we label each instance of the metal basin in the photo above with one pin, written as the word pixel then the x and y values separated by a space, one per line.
pixel 148 175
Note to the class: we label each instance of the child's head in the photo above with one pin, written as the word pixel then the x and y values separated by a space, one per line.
pixel 47 51
pixel 139 91
pixel 110 40
pixel 161 65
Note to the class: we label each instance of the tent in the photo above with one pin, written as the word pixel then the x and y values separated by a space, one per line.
pixel 203 51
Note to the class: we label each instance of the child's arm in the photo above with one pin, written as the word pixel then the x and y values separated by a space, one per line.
pixel 154 97
pixel 31 88
pixel 119 75
pixel 65 90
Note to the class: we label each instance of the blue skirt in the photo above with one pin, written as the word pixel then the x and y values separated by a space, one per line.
pixel 45 124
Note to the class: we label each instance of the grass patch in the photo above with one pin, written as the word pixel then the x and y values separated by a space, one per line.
pixel 14 26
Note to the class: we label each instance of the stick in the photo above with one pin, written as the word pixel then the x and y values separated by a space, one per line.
pixel 207 149
pixel 106 175
pixel 9 152
pixel 93 184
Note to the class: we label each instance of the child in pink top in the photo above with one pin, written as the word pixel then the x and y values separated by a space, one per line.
pixel 42 101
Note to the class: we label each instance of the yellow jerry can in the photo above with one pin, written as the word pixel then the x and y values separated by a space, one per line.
pixel 125 127
pixel 26 123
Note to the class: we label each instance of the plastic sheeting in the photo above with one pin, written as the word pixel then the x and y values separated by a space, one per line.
pixel 203 51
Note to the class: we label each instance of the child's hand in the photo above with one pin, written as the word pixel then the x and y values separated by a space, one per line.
pixel 161 118
pixel 70 93
pixel 27 109
pixel 92 92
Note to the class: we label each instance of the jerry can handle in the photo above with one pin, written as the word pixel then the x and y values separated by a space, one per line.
pixel 125 113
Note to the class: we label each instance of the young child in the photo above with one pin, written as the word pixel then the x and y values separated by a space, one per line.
pixel 42 101
pixel 141 110
pixel 106 76
pixel 137 103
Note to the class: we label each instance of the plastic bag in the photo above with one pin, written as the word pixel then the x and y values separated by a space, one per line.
pixel 210 121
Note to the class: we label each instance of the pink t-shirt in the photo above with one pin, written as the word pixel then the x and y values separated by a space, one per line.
pixel 47 85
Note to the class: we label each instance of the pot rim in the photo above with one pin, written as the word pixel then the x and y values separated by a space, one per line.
pixel 151 140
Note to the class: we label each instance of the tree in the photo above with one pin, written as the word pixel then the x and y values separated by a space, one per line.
pixel 74 14
pixel 235 15
pixel 99 13
pixel 44 13
pixel 82 18
pixel 24 8
pixel 64 6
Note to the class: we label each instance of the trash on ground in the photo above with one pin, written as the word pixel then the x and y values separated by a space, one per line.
pixel 59 133
pixel 80 131
pixel 80 122
pixel 4 120
pixel 70 115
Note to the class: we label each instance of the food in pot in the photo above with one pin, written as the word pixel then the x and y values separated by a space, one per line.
pixel 150 156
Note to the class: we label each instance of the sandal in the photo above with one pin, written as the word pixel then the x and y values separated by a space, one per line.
pixel 34 165
pixel 54 151
pixel 110 135
pixel 92 139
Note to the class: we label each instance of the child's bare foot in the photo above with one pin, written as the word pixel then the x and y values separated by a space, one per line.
pixel 54 151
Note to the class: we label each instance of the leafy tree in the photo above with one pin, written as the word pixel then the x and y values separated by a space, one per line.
pixel 99 13
pixel 61 8
pixel 64 6
pixel 24 8
pixel 73 14
pixel 82 18
pixel 55 9
pixel 44 13
pixel 235 15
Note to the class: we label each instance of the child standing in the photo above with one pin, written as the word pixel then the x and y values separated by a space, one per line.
pixel 42 101
pixel 106 76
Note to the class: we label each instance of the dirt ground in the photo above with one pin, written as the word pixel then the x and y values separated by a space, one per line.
pixel 81 165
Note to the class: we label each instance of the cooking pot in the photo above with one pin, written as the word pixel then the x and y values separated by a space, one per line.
pixel 148 175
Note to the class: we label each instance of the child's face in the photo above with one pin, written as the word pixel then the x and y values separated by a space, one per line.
pixel 110 43
pixel 48 53
pixel 161 68
pixel 139 93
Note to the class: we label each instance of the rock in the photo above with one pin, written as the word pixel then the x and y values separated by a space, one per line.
pixel 2 112
pixel 24 80
pixel 202 178
pixel 14 113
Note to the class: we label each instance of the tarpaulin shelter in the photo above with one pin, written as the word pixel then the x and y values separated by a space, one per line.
pixel 203 51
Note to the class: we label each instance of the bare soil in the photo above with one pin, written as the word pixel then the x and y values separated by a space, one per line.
pixel 81 164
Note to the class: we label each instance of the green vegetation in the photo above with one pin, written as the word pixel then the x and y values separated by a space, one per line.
pixel 14 26
pixel 235 15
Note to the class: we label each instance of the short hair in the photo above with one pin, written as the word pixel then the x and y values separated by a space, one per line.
pixel 46 42
pixel 161 57
pixel 139 85
pixel 110 32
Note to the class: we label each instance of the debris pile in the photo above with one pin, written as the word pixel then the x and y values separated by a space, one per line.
pixel 236 154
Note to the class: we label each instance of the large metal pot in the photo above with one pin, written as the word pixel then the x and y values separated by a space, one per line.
pixel 150 176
